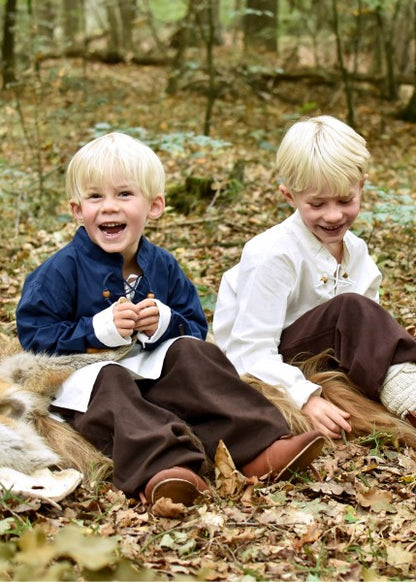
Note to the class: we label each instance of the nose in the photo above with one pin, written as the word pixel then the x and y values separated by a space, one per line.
pixel 333 214
pixel 110 204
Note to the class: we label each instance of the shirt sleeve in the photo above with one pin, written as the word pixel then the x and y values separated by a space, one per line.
pixel 45 314
pixel 106 331
pixel 180 307
pixel 262 292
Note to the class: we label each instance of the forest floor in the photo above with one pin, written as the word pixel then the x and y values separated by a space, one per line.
pixel 351 518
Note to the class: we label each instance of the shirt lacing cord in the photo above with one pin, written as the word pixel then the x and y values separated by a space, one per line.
pixel 338 280
pixel 131 284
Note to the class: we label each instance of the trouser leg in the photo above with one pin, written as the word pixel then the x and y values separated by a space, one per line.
pixel 365 338
pixel 142 438
pixel 201 386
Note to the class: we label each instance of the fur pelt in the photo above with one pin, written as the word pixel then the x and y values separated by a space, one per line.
pixel 366 416
pixel 30 438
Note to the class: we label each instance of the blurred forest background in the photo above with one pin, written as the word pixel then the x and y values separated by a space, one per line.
pixel 211 86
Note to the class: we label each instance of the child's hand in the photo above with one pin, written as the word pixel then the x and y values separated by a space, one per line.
pixel 147 316
pixel 326 417
pixel 124 317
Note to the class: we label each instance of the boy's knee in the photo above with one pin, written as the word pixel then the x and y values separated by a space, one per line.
pixel 193 349
pixel 354 302
pixel 114 371
pixel 184 344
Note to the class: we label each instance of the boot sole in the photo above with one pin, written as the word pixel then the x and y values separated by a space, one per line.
pixel 178 490
pixel 302 460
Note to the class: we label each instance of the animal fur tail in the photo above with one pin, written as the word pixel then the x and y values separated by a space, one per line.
pixel 43 373
pixel 297 421
pixel 366 415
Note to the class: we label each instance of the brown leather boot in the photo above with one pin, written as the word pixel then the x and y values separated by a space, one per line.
pixel 180 484
pixel 286 456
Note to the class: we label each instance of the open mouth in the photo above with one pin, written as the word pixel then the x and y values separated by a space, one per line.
pixel 332 229
pixel 112 228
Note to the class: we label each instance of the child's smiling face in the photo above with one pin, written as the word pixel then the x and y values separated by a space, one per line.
pixel 328 217
pixel 115 215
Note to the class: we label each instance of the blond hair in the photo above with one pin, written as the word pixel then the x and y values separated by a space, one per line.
pixel 322 151
pixel 109 157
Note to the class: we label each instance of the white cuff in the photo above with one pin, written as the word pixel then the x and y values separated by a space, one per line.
pixel 106 331
pixel 302 391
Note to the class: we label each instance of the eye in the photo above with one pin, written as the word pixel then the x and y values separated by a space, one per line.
pixel 346 201
pixel 93 196
pixel 316 204
pixel 125 194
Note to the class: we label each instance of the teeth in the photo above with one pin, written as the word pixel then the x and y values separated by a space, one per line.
pixel 110 224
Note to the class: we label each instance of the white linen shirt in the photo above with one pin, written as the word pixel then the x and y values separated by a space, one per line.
pixel 283 273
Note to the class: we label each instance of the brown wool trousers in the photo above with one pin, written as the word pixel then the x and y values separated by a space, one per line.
pixel 144 425
pixel 365 338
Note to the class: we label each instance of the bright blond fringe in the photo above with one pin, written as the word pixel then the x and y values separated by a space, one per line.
pixel 366 415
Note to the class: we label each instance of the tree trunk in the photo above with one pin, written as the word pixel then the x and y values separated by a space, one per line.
pixel 210 39
pixel 356 43
pixel 127 10
pixel 8 46
pixel 388 49
pixel 180 40
pixel 207 17
pixel 113 47
pixel 46 22
pixel 73 14
pixel 344 72
pixel 260 24
pixel 197 27
pixel 409 112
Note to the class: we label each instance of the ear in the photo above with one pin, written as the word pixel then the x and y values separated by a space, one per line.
pixel 363 180
pixel 156 208
pixel 76 210
pixel 287 195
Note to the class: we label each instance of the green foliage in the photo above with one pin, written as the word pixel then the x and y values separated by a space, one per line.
pixel 308 107
pixel 168 11
pixel 392 206
pixel 379 441
pixel 178 142
pixel 72 552
pixel 15 524
pixel 208 298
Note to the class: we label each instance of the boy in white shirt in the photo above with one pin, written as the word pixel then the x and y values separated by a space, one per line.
pixel 308 285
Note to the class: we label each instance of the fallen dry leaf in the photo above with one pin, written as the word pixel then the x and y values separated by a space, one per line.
pixel 376 500
pixel 165 507
pixel 228 480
